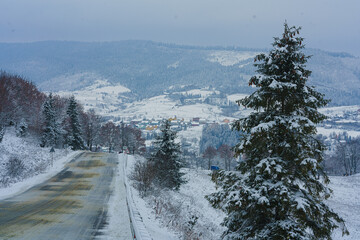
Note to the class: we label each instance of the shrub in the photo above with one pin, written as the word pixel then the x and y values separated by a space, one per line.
pixel 14 167
pixel 143 176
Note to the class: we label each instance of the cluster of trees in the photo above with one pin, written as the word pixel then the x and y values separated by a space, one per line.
pixel 343 153
pixel 20 99
pixel 215 135
pixel 116 137
pixel 345 160
pixel 222 156
pixel 58 121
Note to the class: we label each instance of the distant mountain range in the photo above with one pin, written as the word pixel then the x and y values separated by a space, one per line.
pixel 148 68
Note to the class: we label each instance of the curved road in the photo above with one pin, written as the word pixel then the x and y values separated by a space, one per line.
pixel 71 205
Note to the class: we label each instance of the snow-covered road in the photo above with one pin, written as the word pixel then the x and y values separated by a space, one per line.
pixel 71 205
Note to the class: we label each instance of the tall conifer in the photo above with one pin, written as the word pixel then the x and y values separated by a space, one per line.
pixel 280 188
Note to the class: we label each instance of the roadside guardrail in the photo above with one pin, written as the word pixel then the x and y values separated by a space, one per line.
pixel 138 229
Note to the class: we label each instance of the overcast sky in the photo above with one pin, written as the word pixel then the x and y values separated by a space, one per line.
pixel 327 24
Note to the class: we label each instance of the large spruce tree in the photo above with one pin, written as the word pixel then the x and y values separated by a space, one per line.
pixel 74 135
pixel 280 188
pixel 166 159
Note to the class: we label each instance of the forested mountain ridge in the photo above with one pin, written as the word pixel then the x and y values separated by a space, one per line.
pixel 148 68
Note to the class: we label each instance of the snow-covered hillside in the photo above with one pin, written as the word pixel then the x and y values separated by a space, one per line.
pixel 230 58
pixel 101 96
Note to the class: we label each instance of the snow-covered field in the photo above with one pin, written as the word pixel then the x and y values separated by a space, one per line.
pixel 36 160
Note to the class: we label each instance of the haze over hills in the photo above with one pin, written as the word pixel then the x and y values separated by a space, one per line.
pixel 147 68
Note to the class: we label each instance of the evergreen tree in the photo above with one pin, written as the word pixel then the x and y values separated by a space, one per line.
pixel 74 138
pixel 277 193
pixel 51 130
pixel 166 160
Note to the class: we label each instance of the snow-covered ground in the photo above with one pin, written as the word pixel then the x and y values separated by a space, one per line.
pixel 191 202
pixel 37 162
pixel 346 202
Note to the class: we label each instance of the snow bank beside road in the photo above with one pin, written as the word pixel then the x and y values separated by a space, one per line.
pixel 24 185
pixel 118 215
pixel 36 162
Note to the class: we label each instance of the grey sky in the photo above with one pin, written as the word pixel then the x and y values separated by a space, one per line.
pixel 327 24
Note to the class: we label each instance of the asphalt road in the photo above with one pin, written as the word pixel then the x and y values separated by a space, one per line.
pixel 71 205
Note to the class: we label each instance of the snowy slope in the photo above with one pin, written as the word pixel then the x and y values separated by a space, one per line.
pixel 37 163
pixel 101 96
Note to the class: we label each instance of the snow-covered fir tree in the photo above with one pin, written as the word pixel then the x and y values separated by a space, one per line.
pixel 51 130
pixel 74 135
pixel 166 159
pixel 280 188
